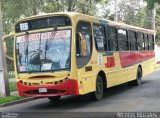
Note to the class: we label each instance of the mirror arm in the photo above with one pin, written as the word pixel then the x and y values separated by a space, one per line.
pixel 10 58
pixel 4 38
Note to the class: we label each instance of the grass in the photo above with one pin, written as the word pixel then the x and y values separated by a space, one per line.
pixel 12 86
pixel 7 99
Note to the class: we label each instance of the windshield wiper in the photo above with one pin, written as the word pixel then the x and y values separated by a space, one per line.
pixel 26 50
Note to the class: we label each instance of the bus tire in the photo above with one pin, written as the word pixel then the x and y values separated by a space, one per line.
pixel 138 80
pixel 98 93
pixel 55 99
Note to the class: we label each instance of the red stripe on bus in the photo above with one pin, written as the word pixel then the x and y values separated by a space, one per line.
pixel 110 62
pixel 130 58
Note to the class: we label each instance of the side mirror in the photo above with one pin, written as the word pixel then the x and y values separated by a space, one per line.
pixel 8 46
pixel 83 45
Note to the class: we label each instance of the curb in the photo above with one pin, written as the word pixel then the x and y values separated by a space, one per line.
pixel 18 101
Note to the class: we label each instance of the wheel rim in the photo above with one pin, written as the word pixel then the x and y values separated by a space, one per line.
pixel 99 89
pixel 139 78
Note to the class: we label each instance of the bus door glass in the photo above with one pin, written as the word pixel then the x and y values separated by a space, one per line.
pixel 83 43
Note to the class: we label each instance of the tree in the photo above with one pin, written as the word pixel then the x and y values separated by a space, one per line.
pixel 132 12
pixel 4 84
pixel 151 3
pixel 12 11
pixel 155 4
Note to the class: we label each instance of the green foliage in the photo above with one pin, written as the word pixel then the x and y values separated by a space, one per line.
pixel 12 86
pixel 16 9
pixel 4 100
pixel 151 3
pixel 133 13
pixel 158 25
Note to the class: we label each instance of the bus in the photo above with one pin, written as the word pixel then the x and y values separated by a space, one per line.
pixel 70 53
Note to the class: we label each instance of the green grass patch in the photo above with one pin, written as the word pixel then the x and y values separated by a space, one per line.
pixel 7 99
pixel 12 86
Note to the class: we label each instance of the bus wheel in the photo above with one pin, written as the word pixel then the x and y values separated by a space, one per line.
pixel 138 80
pixel 98 94
pixel 55 99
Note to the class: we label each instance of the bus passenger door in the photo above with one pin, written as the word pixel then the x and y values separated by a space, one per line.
pixel 83 55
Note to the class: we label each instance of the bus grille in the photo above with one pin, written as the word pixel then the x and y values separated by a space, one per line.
pixel 49 91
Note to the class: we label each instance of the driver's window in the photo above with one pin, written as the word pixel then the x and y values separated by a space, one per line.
pixel 83 43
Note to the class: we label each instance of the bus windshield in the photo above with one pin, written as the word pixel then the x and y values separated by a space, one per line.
pixel 45 51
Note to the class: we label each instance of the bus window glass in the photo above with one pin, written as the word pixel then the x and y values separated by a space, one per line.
pixel 140 40
pixel 146 41
pixel 131 39
pixel 45 51
pixel 122 38
pixel 83 38
pixel 151 42
pixel 112 38
pixel 99 36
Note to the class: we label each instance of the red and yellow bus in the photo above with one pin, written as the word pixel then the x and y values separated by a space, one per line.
pixel 74 54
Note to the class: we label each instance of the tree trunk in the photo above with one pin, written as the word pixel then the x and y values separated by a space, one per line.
pixel 70 3
pixel 4 84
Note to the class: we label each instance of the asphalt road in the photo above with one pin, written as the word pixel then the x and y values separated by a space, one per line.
pixel 123 98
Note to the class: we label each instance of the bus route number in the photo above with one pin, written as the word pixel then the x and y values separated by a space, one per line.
pixel 24 26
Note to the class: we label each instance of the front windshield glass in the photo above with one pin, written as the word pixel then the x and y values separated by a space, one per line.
pixel 46 51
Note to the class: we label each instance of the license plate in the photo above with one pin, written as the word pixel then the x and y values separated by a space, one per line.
pixel 42 90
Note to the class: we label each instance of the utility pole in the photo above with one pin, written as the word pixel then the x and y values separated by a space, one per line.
pixel 4 84
pixel 154 18
pixel 115 10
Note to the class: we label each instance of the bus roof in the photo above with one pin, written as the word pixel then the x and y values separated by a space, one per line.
pixel 92 18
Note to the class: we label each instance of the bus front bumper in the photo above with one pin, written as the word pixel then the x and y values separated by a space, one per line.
pixel 69 87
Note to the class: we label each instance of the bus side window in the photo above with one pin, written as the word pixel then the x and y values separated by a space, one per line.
pixel 146 41
pixel 139 41
pixel 132 40
pixel 100 37
pixel 151 42
pixel 112 38
pixel 83 43
pixel 122 38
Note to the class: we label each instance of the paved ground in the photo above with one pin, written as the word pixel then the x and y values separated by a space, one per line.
pixel 144 98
